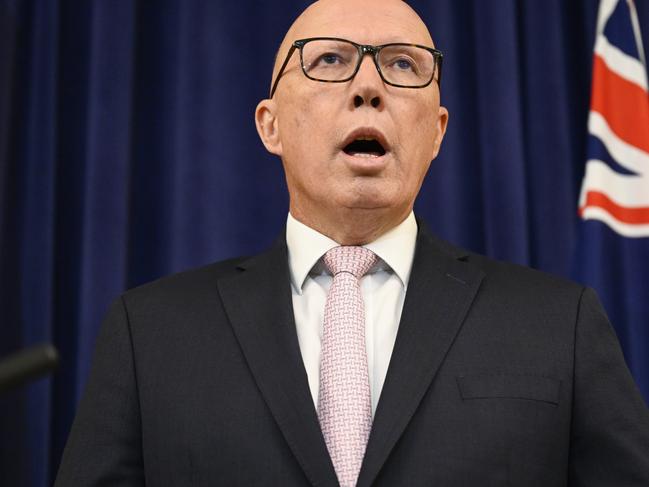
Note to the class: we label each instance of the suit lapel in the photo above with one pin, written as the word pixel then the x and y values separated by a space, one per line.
pixel 258 303
pixel 440 292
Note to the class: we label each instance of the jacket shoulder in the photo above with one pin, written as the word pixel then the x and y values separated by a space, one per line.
pixel 506 275
pixel 190 285
pixel 516 274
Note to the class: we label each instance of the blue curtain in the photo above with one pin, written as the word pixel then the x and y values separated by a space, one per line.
pixel 128 151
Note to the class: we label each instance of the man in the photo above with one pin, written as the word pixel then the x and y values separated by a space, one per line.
pixel 360 350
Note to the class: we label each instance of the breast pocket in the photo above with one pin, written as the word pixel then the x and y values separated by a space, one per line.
pixel 510 386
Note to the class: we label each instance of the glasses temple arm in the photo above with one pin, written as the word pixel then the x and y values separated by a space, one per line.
pixel 281 70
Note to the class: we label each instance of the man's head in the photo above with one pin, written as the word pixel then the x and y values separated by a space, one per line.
pixel 336 188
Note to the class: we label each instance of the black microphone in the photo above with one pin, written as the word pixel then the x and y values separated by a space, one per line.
pixel 28 364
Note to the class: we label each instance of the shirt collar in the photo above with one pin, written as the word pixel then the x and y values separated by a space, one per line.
pixel 306 246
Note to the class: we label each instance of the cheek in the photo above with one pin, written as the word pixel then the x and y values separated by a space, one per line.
pixel 418 136
pixel 306 134
pixel 292 124
pixel 296 122
pixel 427 116
pixel 426 131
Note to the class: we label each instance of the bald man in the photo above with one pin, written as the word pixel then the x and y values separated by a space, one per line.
pixel 360 349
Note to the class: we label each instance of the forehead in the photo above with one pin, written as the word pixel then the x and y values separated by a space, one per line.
pixel 366 22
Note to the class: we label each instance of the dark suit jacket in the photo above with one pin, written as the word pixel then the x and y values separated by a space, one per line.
pixel 500 376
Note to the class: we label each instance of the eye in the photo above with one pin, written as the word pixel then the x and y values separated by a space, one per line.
pixel 329 58
pixel 404 64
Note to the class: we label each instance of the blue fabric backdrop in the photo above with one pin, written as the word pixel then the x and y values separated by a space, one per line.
pixel 128 151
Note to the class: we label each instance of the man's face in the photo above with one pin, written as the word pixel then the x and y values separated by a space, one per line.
pixel 315 122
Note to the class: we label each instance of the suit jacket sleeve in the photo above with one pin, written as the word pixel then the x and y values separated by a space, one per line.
pixel 104 446
pixel 610 422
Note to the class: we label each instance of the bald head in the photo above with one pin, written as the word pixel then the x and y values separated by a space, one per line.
pixel 361 21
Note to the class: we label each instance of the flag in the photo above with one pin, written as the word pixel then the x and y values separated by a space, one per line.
pixel 612 255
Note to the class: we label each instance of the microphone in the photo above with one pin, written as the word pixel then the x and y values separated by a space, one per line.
pixel 28 364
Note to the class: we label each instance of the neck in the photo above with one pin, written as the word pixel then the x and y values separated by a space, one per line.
pixel 353 226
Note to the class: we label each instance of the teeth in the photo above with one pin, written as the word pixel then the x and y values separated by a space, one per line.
pixel 364 154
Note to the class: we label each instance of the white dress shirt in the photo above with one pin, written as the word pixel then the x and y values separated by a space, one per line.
pixel 383 287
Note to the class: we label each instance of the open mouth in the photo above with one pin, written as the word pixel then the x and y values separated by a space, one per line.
pixel 364 147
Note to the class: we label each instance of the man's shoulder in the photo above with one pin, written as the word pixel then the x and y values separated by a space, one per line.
pixel 498 274
pixel 192 284
pixel 497 270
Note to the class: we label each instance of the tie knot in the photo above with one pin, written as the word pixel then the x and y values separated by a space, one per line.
pixel 352 259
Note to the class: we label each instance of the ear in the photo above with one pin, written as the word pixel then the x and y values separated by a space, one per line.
pixel 268 127
pixel 442 122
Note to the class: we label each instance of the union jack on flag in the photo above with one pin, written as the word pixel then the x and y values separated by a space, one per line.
pixel 613 251
pixel 615 189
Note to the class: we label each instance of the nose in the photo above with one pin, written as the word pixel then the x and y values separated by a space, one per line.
pixel 367 85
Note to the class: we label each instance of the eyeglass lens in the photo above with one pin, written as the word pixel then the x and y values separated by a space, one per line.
pixel 336 60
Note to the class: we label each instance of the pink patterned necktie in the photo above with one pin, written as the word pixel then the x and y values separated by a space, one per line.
pixel 344 403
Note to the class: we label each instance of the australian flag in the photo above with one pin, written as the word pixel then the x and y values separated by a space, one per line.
pixel 613 249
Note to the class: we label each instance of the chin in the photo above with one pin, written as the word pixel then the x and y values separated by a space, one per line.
pixel 369 204
pixel 376 195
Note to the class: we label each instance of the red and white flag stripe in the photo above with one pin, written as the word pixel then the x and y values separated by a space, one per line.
pixel 619 118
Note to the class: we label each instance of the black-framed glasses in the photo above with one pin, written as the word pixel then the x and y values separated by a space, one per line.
pixel 334 60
